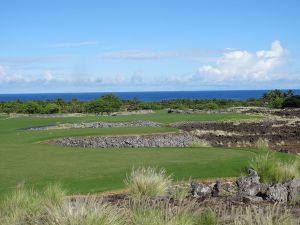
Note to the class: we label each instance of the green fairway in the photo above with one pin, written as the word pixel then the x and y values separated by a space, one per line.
pixel 24 160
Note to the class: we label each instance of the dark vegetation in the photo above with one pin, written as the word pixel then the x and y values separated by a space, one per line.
pixel 110 103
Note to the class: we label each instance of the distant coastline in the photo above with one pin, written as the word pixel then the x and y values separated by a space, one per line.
pixel 154 96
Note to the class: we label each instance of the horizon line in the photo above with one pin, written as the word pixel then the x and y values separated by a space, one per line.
pixel 30 93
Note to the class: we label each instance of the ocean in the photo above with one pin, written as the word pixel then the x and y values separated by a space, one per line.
pixel 143 96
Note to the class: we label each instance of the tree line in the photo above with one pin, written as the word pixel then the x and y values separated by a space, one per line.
pixel 110 103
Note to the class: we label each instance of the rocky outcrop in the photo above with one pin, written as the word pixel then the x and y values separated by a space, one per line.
pixel 277 193
pixel 250 185
pixel 199 190
pixel 139 123
pixel 249 189
pixel 134 141
pixel 195 111
pixel 293 187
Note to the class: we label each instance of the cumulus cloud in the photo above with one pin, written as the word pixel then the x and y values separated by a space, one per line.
pixel 10 76
pixel 244 65
pixel 72 44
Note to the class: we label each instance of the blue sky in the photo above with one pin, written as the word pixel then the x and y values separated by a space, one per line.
pixel 87 46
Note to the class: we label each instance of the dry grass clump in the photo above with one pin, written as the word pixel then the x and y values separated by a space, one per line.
pixel 270 169
pixel 148 212
pixel 262 144
pixel 25 206
pixel 178 193
pixel 253 215
pixel 84 211
pixel 215 132
pixel 148 182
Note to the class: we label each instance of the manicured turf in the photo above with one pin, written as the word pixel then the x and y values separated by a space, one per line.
pixel 24 160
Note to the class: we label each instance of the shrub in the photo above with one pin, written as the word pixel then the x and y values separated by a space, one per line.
pixel 273 98
pixel 148 182
pixel 271 169
pixel 206 106
pixel 51 108
pixel 293 101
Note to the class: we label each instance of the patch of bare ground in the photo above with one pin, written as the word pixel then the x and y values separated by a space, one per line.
pixel 281 134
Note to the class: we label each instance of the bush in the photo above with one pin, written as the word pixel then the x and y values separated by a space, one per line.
pixel 273 98
pixel 292 102
pixel 271 169
pixel 51 108
pixel 209 105
pixel 105 104
pixel 148 182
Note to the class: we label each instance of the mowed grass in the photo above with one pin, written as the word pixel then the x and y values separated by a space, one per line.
pixel 24 160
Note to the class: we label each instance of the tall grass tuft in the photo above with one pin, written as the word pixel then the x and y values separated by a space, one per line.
pixel 25 206
pixel 271 169
pixel 207 217
pixel 54 194
pixel 148 182
pixel 262 144
pixel 84 211
pixel 179 193
pixel 20 207
pixel 252 215
pixel 149 212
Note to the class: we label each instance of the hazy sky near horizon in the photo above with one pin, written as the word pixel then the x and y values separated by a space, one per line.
pixel 157 45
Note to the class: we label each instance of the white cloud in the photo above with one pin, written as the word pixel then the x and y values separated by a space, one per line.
pixel 2 72
pixel 244 65
pixel 150 54
pixel 48 76
pixel 10 76
pixel 137 54
pixel 32 59
pixel 137 78
pixel 72 44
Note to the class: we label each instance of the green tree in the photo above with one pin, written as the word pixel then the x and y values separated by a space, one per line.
pixel 105 104
pixel 32 107
pixel 60 103
pixel 289 93
pixel 273 98
pixel 51 108
pixel 293 102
